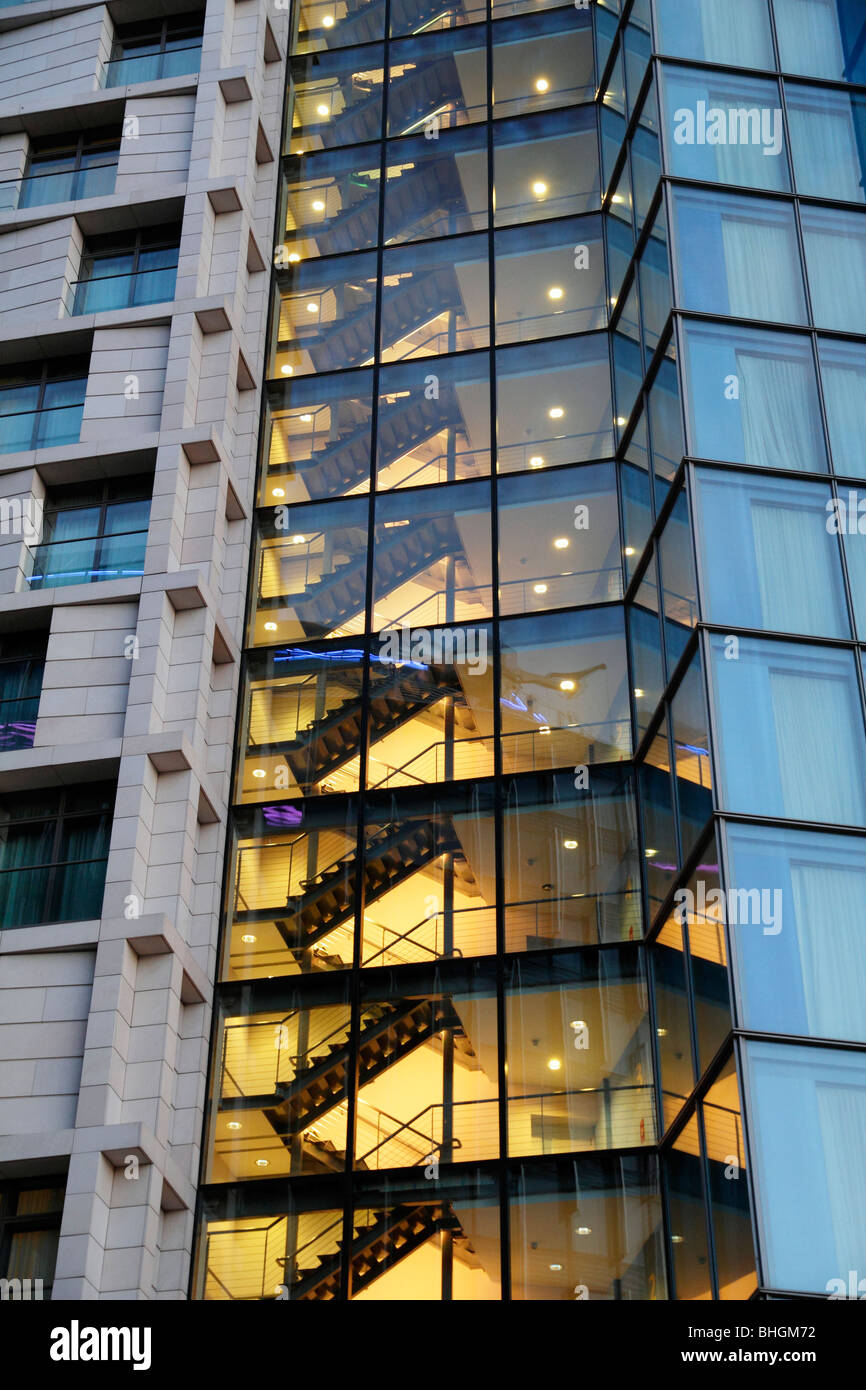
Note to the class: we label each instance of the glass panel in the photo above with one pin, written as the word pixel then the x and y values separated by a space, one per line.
pixel 828 130
pixel 769 559
pixel 714 31
pixel 429 873
pixel 324 317
pixel 656 290
pixel 318 439
pixel 414 16
pixel 753 398
pixel 293 892
pixel 822 38
pixel 728 1187
pixel 796 908
pixel 433 1041
pixel 647 666
pixel 572 876
pixel 775 702
pixel 337 99
pixel 636 503
pixel 724 129
pixel 701 909
pixel 657 813
pixel 540 62
pixel 843 374
pixel 645 167
pixel 545 166
pixel 673 1026
pixel 688 1216
pixel 433 426
pixel 564 691
pixel 835 245
pixel 587 1229
pixel 436 187
pixel 331 203
pixel 338 24
pixel 311 582
pixel 537 574
pixel 819 1095
pixel 437 82
pixel 679 589
pixel 291 1250
pixel 435 298
pixel 549 281
pixel 738 257
pixel 443 1246
pixel 281 1085
pixel 578 1053
pixel 692 755
pixel 553 403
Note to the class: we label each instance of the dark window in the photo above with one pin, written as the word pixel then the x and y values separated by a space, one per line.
pixel 120 271
pixel 41 404
pixel 61 169
pixel 155 48
pixel 30 1213
pixel 22 662
pixel 93 531
pixel 53 854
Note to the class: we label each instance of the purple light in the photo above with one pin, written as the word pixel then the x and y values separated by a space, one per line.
pixel 282 815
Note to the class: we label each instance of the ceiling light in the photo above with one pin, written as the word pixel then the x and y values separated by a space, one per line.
pixel 554 1064
pixel 293 258
pixel 629 550
pixel 621 421
pixel 262 1163
pixel 233 1124
pixel 677 1240
pixel 584 1230
pixel 613 299
pixel 298 540
pixel 259 772
pixel 270 627
pixel 541 84
pixel 577 1024
pixel 312 308
pixel 539 589
pixel 278 492
pixel 545 729
pixel 561 543
pixel 328 22
pixel 322 110
pixel 617 198
pixel 566 685
pixel 248 939
pixel 661 1032
pixel 536 461
pixel 650 853
pixel 556 412
pixel 286 369
pixel 318 205
pixel 569 844
pixel 555 292
pixel 555 1268
pixel 638 693
pixel 539 188
pixel 305 419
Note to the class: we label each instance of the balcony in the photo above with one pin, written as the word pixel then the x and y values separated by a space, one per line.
pixel 127 290
pixel 134 67
pixel 41 188
pixel 87 561
pixel 40 429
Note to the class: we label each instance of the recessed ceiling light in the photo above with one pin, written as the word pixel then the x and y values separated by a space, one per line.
pixel 577 1024
pixel 318 205
pixel 298 540
pixel 259 772
pixel 262 1163
pixel 554 1064
pixel 305 419
pixel 617 198
pixel 293 257
pixel 539 589
pixel 286 369
pixel 328 22
pixel 661 1032
pixel 545 729
pixel 621 421
pixel 555 1268
pixel 312 308
pixel 629 550
pixel 556 412
pixel 584 1230
pixel 539 188
pixel 569 844
pixel 566 685
pixel 638 693
pixel 233 1124
pixel 541 84
pixel 677 1240
pixel 278 492
pixel 555 292
pixel 650 853
pixel 322 110
pixel 536 461
pixel 561 543
pixel 270 627
pixel 248 939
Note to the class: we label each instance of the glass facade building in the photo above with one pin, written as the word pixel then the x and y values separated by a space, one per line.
pixel 540 974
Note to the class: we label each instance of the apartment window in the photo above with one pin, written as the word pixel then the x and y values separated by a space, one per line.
pixel 30 1213
pixel 60 170
pixel 714 31
pixel 41 404
pixel 155 48
pixel 822 38
pixel 120 273
pixel 725 129
pixel 53 854
pixel 827 141
pixel 92 532
pixel 22 662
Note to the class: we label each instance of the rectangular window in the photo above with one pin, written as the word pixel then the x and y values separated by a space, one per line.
pixel 822 38
pixel 828 141
pixel 835 244
pixel 715 31
pixel 122 272
pixel 22 662
pixel 60 171
pixel 724 129
pixel 30 1213
pixel 41 404
pixel 154 49
pixel 53 854
pixel 93 532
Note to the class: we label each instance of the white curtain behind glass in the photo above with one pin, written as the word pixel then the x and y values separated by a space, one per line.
pixel 826 157
pixel 830 909
pixel 845 398
pixel 781 428
pixel 815 741
pixel 836 265
pixel 809 41
pixel 736 34
pixel 842 1117
pixel 762 271
pixel 795 597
